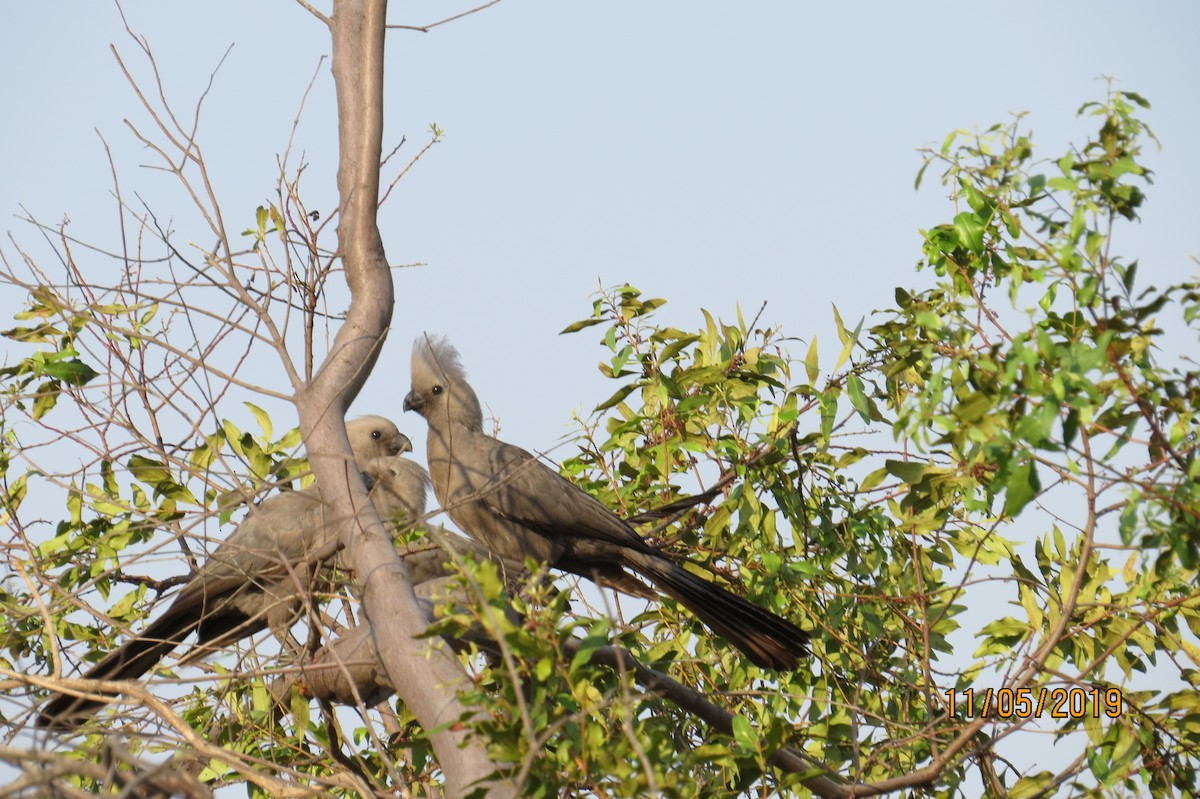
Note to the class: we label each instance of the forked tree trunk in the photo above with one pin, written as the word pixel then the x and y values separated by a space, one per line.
pixel 427 684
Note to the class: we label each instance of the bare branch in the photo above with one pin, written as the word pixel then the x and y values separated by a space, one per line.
pixel 432 25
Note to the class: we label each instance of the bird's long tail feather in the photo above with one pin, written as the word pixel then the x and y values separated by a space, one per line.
pixel 128 662
pixel 768 640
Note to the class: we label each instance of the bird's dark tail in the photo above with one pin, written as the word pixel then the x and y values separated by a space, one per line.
pixel 128 662
pixel 768 640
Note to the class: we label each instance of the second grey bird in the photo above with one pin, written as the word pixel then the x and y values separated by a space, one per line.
pixel 259 575
pixel 398 486
pixel 518 507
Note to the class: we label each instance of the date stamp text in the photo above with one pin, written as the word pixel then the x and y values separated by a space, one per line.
pixel 1027 703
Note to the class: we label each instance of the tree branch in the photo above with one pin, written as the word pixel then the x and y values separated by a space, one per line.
pixel 426 675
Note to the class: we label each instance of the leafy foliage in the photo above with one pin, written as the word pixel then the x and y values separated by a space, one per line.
pixel 994 490
pixel 1049 409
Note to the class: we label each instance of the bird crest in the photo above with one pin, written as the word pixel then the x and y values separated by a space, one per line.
pixel 440 380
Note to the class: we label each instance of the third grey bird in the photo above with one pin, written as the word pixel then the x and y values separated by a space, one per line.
pixel 255 579
pixel 518 507
pixel 398 485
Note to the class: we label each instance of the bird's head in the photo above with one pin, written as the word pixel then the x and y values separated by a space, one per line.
pixel 440 391
pixel 375 437
pixel 399 485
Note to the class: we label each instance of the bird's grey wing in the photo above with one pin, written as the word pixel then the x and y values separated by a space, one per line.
pixel 269 548
pixel 528 492
pixel 284 529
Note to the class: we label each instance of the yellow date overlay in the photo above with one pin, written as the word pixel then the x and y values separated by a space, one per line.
pixel 1029 703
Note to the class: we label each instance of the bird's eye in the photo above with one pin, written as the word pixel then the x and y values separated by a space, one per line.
pixel 437 390
pixel 375 434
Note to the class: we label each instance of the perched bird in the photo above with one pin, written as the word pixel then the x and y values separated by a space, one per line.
pixel 398 486
pixel 518 507
pixel 256 578
pixel 398 489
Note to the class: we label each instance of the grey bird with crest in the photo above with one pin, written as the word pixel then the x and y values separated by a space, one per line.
pixel 518 507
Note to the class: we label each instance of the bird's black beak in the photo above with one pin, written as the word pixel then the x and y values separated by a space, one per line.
pixel 413 401
pixel 403 443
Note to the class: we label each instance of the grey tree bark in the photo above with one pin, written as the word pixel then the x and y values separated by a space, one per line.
pixel 427 683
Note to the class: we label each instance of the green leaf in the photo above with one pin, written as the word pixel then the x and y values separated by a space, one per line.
pixel 290 439
pixel 975 199
pixel 1070 427
pixel 841 328
pixel 930 320
pixel 1021 487
pixel 74 372
pixel 597 640
pixel 848 339
pixel 1136 98
pixel 1028 787
pixel 973 408
pixel 711 336
pixel 921 174
pixel 124 606
pixel 810 362
pixel 620 394
pixel 264 419
pixel 216 769
pixel 970 231
pixel 147 470
pixel 1033 609
pixel 675 347
pixel 42 334
pixel 203 456
pixel 575 327
pixel 909 472
pixel 858 397
pixel 873 479
pixel 12 498
pixel 300 711
pixel 744 735
pixel 829 409
pixel 45 398
pixel 278 221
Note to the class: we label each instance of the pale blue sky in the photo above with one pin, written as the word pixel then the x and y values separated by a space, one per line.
pixel 708 153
